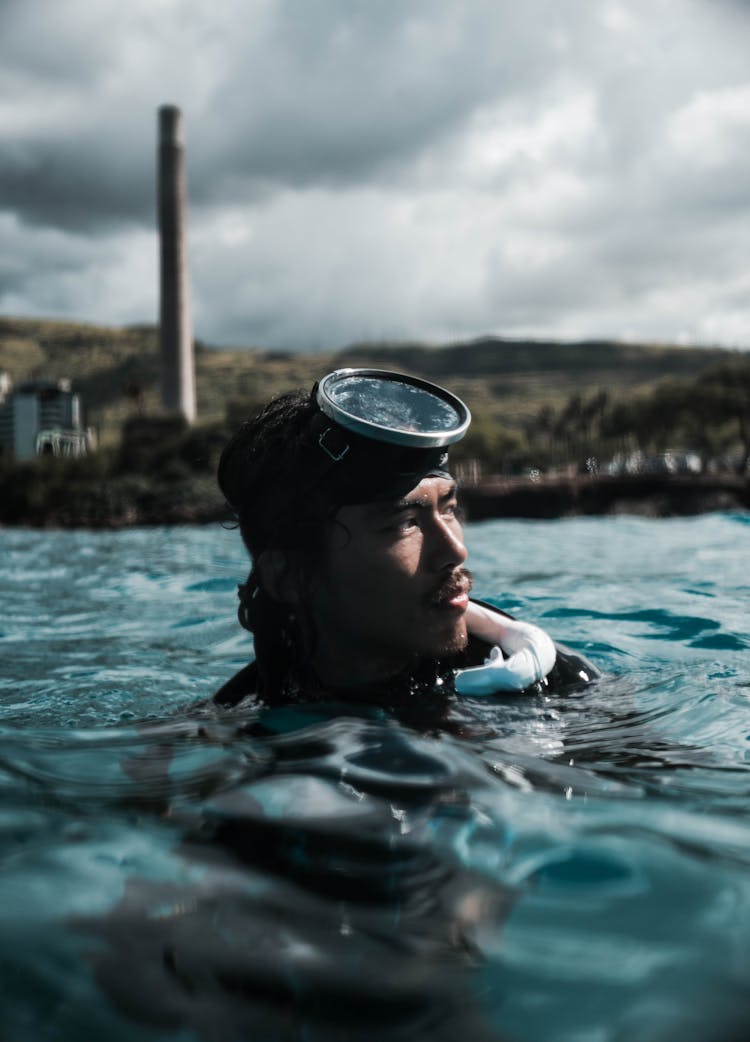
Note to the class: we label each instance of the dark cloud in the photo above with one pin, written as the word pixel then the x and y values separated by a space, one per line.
pixel 338 95
pixel 77 185
pixel 301 95
pixel 365 169
pixel 45 45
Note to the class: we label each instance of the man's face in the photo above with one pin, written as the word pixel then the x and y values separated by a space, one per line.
pixel 392 586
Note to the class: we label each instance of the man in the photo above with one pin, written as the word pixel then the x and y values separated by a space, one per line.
pixel 358 590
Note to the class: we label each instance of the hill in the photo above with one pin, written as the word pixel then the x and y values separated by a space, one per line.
pixel 116 370
pixel 548 409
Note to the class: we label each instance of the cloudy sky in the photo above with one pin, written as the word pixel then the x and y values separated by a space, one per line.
pixel 368 169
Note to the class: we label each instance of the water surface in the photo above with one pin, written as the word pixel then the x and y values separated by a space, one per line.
pixel 574 868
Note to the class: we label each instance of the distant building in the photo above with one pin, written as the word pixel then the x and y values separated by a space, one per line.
pixel 40 417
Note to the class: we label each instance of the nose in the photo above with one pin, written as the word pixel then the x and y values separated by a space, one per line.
pixel 446 543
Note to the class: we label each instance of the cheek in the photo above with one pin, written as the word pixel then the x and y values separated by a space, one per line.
pixel 396 563
pixel 363 571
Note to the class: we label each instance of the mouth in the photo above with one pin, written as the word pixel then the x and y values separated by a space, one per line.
pixel 454 594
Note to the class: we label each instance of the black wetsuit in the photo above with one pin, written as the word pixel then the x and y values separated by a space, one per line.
pixel 571 671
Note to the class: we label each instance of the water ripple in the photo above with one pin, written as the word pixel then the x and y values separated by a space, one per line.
pixel 547 868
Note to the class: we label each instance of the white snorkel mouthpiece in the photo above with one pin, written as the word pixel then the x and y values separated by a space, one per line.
pixel 522 654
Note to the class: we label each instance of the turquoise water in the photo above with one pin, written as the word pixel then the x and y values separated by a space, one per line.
pixel 574 868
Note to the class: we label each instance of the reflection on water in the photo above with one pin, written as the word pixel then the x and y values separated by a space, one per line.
pixel 563 868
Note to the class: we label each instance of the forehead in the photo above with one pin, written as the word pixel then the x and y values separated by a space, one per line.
pixel 429 492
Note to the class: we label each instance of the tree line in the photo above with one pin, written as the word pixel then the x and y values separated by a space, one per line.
pixel 707 416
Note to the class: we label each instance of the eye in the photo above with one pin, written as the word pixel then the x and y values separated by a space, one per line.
pixel 406 522
pixel 401 522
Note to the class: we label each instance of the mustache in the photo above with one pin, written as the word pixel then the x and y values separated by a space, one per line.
pixel 459 581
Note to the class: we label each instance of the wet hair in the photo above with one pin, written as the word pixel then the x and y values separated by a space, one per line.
pixel 285 488
pixel 264 476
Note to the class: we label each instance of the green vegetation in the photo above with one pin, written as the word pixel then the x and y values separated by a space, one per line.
pixel 163 473
pixel 707 415
pixel 536 404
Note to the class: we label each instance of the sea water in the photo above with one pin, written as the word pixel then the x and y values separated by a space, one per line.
pixel 571 868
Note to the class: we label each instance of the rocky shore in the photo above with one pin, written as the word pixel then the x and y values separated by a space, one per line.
pixel 128 501
pixel 649 495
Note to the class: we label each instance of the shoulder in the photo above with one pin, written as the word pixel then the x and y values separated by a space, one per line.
pixel 572 670
pixel 242 684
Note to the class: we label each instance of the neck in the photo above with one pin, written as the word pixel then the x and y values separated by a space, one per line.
pixel 355 673
pixel 424 685
pixel 351 671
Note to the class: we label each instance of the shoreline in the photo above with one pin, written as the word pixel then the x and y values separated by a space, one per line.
pixel 542 498
pixel 644 495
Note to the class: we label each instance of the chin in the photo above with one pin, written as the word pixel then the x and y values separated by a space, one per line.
pixel 450 644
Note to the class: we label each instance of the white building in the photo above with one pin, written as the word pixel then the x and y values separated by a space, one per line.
pixel 41 416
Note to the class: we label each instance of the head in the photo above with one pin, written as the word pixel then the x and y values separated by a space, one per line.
pixel 356 545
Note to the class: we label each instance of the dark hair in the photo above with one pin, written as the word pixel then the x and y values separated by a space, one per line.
pixel 264 476
pixel 285 485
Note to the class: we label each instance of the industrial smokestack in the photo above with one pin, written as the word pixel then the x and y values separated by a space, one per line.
pixel 177 366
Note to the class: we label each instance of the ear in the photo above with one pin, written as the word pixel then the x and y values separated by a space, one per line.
pixel 278 578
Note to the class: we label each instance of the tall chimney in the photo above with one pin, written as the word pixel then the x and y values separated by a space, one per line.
pixel 177 366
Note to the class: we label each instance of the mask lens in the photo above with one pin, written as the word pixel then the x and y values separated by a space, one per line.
pixel 398 406
pixel 394 408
